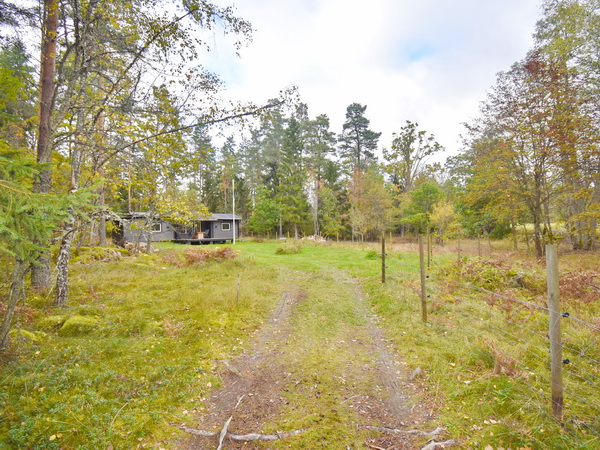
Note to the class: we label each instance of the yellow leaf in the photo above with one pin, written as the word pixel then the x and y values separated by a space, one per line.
pixel 53 437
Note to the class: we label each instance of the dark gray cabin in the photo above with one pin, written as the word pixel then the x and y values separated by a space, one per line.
pixel 216 228
pixel 141 227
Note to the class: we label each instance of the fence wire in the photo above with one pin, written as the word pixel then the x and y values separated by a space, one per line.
pixel 579 365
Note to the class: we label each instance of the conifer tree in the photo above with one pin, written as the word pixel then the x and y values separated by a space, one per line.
pixel 291 194
pixel 357 143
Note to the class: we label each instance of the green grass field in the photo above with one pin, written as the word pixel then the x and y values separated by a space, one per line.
pixel 136 348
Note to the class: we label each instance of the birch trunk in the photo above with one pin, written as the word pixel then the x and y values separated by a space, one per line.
pixel 64 255
pixel 62 265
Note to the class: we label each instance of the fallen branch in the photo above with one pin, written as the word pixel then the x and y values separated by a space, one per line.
pixel 224 433
pixel 348 399
pixel 226 426
pixel 241 437
pixel 431 434
pixel 434 445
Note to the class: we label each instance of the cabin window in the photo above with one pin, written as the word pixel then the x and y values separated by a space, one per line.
pixel 225 227
pixel 157 227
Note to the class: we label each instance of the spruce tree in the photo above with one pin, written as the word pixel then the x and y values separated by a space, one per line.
pixel 291 195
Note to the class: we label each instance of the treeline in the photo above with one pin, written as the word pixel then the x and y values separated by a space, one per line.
pixel 295 176
pixel 530 158
pixel 118 117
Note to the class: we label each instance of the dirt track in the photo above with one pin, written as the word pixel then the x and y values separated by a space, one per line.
pixel 261 386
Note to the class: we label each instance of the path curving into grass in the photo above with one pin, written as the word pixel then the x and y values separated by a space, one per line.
pixel 320 366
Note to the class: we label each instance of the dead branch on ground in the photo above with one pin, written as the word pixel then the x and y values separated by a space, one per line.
pixel 434 445
pixel 241 437
pixel 431 434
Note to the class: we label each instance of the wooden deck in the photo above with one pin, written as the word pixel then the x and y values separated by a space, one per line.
pixel 202 241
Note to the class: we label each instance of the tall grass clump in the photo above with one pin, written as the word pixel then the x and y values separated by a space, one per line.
pixel 289 248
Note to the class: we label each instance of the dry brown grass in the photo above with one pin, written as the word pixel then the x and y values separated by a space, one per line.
pixel 196 257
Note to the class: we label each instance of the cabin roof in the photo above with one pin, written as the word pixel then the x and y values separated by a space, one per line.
pixel 212 217
pixel 221 216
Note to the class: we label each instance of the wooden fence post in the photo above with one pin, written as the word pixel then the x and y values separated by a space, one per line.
pixel 423 292
pixel 383 257
pixel 428 247
pixel 555 338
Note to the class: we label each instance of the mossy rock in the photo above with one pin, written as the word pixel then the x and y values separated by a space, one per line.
pixel 79 325
pixel 89 255
pixel 51 323
pixel 28 336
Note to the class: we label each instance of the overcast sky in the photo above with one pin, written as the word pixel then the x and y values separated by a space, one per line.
pixel 429 61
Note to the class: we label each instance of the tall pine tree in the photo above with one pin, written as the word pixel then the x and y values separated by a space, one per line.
pixel 357 142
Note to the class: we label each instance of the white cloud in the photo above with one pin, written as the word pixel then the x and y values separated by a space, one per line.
pixel 429 61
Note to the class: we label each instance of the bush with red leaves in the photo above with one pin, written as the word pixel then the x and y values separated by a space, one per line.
pixel 196 257
pixel 582 286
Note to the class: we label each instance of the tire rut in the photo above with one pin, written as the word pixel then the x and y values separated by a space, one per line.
pixel 257 377
pixel 395 408
pixel 383 397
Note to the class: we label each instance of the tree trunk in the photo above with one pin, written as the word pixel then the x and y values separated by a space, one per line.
pixel 537 237
pixel 102 224
pixel 16 288
pixel 62 265
pixel 514 233
pixel 526 238
pixel 548 222
pixel 280 228
pixel 317 231
pixel 100 125
pixel 149 241
pixel 64 255
pixel 40 277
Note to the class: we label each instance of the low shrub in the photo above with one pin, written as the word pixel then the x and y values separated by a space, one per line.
pixel 582 286
pixel 372 254
pixel 288 248
pixel 195 257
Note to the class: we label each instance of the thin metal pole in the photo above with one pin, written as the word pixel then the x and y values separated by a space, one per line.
pixel 233 206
